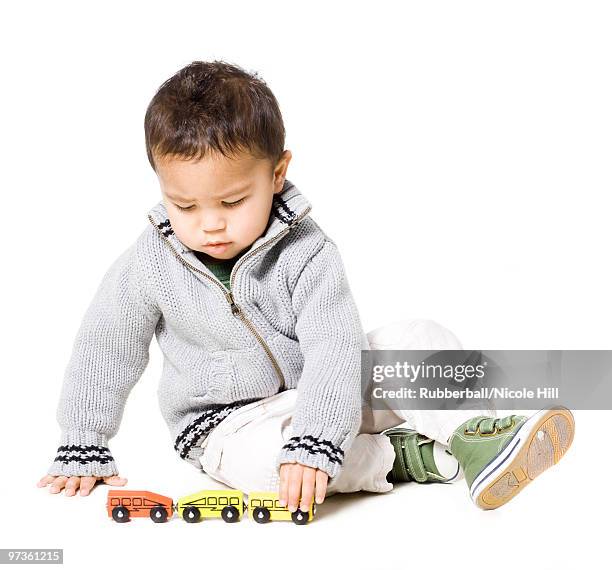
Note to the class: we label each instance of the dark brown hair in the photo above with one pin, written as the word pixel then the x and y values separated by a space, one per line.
pixel 213 107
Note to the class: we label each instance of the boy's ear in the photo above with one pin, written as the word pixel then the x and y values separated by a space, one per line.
pixel 280 171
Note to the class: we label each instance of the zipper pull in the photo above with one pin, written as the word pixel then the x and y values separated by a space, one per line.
pixel 235 308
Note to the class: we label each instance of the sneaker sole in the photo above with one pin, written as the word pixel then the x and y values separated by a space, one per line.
pixel 538 444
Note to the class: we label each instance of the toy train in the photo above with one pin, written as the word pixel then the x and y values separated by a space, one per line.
pixel 227 504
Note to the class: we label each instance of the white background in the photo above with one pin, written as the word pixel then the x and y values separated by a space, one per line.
pixel 457 152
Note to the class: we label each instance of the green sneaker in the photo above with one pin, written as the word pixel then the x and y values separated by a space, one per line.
pixel 500 456
pixel 414 458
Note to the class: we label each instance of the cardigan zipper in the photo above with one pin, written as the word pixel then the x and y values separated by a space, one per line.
pixel 236 310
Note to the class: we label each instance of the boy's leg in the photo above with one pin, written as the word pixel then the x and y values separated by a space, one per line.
pixel 422 334
pixel 241 451
pixel 499 456
pixel 238 451
pixel 437 426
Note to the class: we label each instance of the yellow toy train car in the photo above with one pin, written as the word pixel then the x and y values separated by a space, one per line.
pixel 265 506
pixel 223 503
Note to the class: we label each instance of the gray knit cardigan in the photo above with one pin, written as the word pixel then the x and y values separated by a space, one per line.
pixel 287 321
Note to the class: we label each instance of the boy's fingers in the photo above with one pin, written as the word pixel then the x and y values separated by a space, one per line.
pixel 308 484
pixel 283 485
pixel 87 484
pixel 115 480
pixel 45 480
pixel 72 485
pixel 295 486
pixel 321 483
pixel 58 484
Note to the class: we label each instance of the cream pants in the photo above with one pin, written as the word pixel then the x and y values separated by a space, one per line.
pixel 241 451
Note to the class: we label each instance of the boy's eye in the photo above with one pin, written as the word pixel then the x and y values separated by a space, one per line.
pixel 232 204
pixel 228 204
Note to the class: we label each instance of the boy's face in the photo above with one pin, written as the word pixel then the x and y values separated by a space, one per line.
pixel 207 188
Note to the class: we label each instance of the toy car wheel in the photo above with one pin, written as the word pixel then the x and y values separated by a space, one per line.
pixel 191 514
pixel 158 514
pixel 299 517
pixel 121 514
pixel 261 515
pixel 230 514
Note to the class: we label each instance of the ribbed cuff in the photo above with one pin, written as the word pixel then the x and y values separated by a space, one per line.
pixel 83 454
pixel 188 443
pixel 320 449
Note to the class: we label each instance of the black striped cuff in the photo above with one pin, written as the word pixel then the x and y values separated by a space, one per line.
pixel 83 461
pixel 314 452
pixel 188 444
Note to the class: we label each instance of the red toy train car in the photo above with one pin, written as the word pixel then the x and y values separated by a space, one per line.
pixel 124 504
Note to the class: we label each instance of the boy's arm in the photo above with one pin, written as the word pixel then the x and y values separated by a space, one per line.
pixel 110 353
pixel 327 414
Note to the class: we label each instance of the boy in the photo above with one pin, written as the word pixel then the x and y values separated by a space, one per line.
pixel 262 340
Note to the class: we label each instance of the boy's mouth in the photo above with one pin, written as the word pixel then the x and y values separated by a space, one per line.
pixel 216 246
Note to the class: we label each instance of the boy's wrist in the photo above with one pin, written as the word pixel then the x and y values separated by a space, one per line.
pixel 312 451
pixel 83 453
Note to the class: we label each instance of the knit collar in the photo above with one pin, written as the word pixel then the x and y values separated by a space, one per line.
pixel 288 207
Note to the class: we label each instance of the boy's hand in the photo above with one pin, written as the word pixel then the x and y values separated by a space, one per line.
pixel 73 483
pixel 297 480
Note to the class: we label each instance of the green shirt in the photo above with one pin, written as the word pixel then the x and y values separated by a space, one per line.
pixel 221 268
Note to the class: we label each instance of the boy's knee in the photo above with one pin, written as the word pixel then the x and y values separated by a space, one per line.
pixel 413 334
